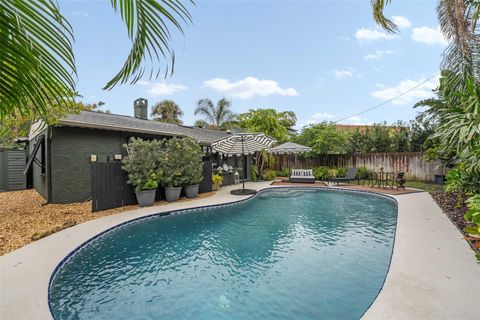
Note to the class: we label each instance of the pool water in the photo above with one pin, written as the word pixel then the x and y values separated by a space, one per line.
pixel 285 254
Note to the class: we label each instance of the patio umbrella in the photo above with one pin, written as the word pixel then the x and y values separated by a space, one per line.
pixel 289 148
pixel 243 144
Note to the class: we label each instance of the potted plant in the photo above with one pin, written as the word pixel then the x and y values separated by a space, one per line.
pixel 175 167
pixel 217 181
pixel 193 166
pixel 143 166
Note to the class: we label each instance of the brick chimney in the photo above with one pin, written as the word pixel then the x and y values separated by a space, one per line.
pixel 140 107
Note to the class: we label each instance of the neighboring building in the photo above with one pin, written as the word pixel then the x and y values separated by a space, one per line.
pixel 60 156
pixel 361 127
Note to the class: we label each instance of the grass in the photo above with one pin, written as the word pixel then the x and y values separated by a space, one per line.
pixel 427 186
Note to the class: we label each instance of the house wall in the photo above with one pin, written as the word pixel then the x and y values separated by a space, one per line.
pixel 70 159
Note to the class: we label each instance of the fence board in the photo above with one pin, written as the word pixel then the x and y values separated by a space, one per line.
pixel 412 163
pixel 110 188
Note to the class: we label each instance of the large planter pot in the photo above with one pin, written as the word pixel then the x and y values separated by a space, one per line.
pixel 215 186
pixel 145 198
pixel 172 193
pixel 191 191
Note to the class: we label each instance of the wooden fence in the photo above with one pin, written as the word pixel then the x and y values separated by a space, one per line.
pixel 110 188
pixel 412 163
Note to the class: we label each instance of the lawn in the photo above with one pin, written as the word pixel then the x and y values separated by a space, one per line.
pixel 427 186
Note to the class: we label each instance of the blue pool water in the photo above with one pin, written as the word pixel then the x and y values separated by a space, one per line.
pixel 303 254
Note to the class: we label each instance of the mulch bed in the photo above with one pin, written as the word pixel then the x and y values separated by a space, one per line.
pixel 455 210
pixel 24 218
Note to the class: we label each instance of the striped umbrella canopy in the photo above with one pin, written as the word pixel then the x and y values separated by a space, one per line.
pixel 289 148
pixel 243 143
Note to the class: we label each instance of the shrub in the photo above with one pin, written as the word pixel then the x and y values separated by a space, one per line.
pixel 143 163
pixel 182 162
pixel 321 173
pixel 285 172
pixel 462 181
pixel 269 174
pixel 217 179
pixel 363 173
pixel 473 216
pixel 341 172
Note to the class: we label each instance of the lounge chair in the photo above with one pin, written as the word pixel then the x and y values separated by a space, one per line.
pixel 302 176
pixel 351 175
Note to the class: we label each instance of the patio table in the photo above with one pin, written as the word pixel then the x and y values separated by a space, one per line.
pixel 383 179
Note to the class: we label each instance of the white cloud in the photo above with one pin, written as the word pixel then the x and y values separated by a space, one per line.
pixel 365 34
pixel 319 117
pixel 248 88
pixel 345 73
pixel 422 92
pixel 429 36
pixel 401 22
pixel 377 54
pixel 162 88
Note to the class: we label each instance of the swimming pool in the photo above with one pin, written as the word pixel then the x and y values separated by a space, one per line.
pixel 284 254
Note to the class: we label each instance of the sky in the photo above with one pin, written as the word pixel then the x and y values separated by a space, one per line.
pixel 324 60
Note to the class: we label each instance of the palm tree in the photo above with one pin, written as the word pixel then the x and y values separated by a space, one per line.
pixel 37 61
pixel 217 117
pixel 458 22
pixel 167 111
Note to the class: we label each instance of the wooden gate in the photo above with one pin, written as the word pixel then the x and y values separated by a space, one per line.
pixel 109 186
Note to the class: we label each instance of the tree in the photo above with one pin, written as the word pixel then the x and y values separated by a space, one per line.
pixel 458 22
pixel 167 111
pixel 457 113
pixel 217 117
pixel 37 62
pixel 324 138
pixel 269 121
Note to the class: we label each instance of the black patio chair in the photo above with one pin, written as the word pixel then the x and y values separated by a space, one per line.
pixel 351 175
pixel 400 180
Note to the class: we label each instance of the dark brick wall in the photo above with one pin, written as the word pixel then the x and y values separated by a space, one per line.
pixel 70 154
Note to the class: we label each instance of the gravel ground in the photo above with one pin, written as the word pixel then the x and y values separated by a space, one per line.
pixel 23 218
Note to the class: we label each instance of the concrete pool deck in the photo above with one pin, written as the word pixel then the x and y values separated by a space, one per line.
pixel 433 273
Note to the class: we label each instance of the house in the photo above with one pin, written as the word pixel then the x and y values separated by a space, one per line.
pixel 60 156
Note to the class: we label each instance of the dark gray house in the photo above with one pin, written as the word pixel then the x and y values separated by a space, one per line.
pixel 60 156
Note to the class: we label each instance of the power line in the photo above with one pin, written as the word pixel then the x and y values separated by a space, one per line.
pixel 387 101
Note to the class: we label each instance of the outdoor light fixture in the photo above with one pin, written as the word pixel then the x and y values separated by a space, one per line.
pixel 93 158
pixel 117 157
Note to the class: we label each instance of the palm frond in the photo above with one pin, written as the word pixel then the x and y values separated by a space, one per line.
pixel 148 24
pixel 377 7
pixel 37 65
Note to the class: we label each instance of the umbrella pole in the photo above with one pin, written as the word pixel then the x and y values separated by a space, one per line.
pixel 244 166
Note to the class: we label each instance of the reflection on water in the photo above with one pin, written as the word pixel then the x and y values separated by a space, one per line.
pixel 287 254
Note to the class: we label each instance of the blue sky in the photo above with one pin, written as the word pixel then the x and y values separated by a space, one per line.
pixel 324 60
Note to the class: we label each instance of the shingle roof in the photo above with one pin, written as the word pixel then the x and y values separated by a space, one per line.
pixel 98 120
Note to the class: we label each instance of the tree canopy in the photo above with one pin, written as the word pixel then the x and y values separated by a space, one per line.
pixel 217 117
pixel 269 121
pixel 167 111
